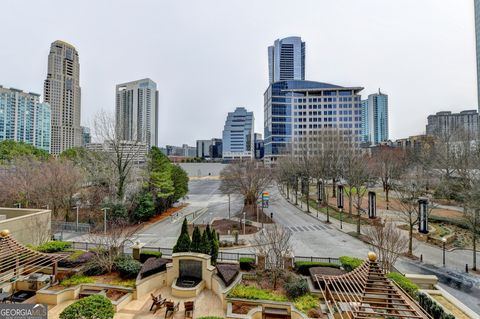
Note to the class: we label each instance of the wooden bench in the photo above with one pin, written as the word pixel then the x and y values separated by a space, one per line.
pixel 171 308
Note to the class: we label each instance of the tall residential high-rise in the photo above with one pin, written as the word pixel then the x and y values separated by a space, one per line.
pixel 62 91
pixel 238 135
pixel 297 110
pixel 286 59
pixel 136 111
pixel 24 119
pixel 375 118
pixel 477 45
pixel 454 125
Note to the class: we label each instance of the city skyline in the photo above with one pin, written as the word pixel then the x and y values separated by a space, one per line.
pixel 386 53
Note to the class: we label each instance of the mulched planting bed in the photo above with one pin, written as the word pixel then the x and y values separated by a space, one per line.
pixel 241 308
pixel 324 271
pixel 228 272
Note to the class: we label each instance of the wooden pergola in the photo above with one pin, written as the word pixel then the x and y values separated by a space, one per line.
pixel 366 293
pixel 16 259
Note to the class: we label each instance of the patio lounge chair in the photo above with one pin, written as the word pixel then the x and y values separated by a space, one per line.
pixel 158 303
pixel 189 307
pixel 154 300
pixel 171 308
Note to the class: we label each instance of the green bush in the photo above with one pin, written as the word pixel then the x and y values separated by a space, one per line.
pixel 92 307
pixel 93 269
pixel 145 207
pixel 350 263
pixel 307 302
pixel 406 284
pixel 296 287
pixel 145 254
pixel 54 246
pixel 249 292
pixel 430 306
pixel 77 279
pixel 127 267
pixel 247 263
pixel 211 317
pixel 302 267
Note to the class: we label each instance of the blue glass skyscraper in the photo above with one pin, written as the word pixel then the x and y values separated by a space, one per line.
pixel 477 45
pixel 286 60
pixel 375 118
pixel 24 119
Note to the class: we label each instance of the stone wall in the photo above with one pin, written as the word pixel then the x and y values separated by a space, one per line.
pixel 27 226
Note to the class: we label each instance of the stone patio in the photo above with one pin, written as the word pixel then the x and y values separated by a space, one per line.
pixel 206 304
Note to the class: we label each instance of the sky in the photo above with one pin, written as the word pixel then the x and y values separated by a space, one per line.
pixel 209 57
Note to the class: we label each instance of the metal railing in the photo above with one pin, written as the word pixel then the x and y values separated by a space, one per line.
pixel 71 227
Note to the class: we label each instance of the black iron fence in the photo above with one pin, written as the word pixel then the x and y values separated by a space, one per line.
pixel 329 260
pixel 166 252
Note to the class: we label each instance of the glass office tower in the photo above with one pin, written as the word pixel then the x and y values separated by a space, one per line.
pixel 238 135
pixel 294 110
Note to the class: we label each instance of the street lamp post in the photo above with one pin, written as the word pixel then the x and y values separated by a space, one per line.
pixel 228 205
pixel 340 203
pixel 244 217
pixel 105 220
pixel 76 207
pixel 444 240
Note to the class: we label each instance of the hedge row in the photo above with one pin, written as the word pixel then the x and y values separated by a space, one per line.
pixel 145 254
pixel 302 267
pixel 53 246
pixel 350 263
pixel 430 306
pixel 247 263
pixel 406 284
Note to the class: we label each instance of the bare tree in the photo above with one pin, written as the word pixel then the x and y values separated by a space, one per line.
pixel 273 242
pixel 247 178
pixel 387 241
pixel 388 164
pixel 357 173
pixel 408 190
pixel 111 245
pixel 120 154
pixel 61 182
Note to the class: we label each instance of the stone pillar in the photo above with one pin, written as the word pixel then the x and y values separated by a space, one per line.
pixel 260 262
pixel 137 249
pixel 288 261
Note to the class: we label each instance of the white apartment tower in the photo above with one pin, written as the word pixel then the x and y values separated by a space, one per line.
pixel 62 91
pixel 136 111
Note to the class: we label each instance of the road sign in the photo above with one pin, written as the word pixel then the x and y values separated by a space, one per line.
pixel 265 203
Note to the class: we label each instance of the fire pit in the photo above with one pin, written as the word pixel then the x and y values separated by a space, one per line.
pixel 187 282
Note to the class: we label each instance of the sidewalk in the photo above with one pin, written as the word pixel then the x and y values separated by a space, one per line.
pixel 454 259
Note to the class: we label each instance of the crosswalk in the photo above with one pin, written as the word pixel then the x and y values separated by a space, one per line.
pixel 305 228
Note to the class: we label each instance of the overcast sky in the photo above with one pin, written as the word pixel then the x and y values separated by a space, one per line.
pixel 208 57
